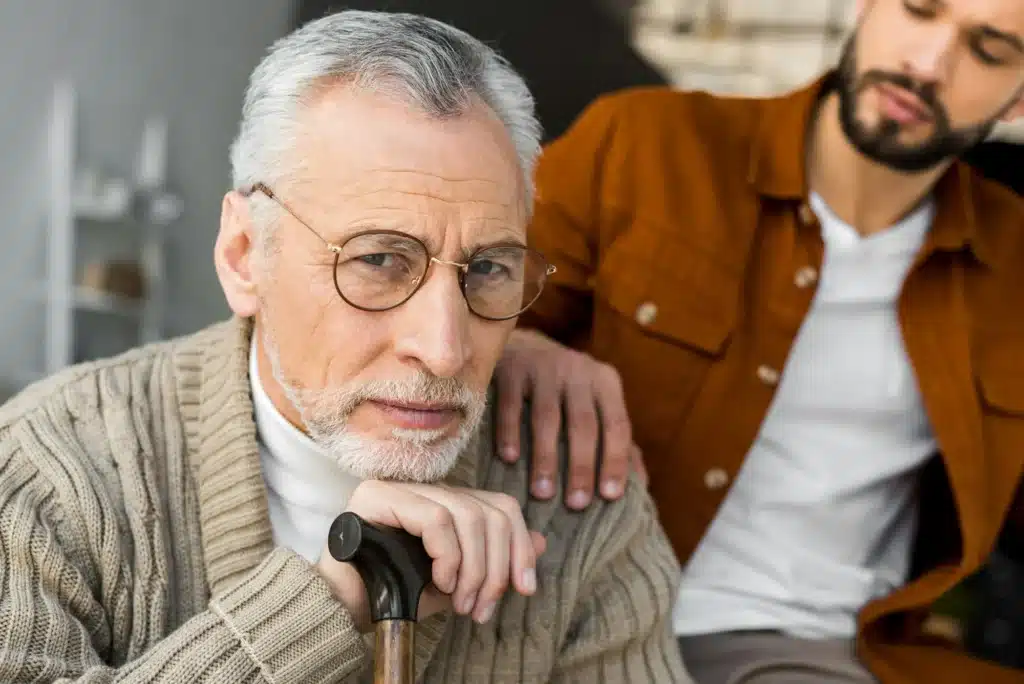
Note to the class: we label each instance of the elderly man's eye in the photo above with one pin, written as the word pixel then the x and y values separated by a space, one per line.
pixel 381 260
pixel 377 265
pixel 487 267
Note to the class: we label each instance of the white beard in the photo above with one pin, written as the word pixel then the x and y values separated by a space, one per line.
pixel 409 455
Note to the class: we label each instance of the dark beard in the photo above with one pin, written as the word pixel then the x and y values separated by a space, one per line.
pixel 882 144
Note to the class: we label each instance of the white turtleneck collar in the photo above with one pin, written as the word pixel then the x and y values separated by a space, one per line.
pixel 306 488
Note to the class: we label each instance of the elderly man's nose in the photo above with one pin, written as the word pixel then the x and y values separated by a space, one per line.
pixel 437 335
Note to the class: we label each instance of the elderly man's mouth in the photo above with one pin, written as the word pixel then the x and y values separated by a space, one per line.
pixel 419 416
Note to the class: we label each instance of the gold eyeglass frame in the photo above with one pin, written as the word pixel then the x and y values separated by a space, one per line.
pixel 463 268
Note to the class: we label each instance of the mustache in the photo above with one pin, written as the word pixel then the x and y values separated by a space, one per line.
pixel 925 92
pixel 422 387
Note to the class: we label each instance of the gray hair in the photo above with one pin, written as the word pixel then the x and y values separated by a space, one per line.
pixel 432 65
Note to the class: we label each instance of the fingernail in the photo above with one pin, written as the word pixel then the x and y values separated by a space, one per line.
pixel 610 489
pixel 467 605
pixel 486 613
pixel 544 487
pixel 508 453
pixel 529 580
pixel 578 499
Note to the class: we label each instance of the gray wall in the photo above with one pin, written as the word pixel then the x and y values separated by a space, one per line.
pixel 185 59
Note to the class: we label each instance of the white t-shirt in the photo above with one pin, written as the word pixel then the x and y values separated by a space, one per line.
pixel 822 516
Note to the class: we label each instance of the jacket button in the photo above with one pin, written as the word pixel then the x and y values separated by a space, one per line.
pixel 716 478
pixel 805 277
pixel 768 375
pixel 806 214
pixel 646 313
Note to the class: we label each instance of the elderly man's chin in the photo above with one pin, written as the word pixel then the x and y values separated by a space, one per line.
pixel 394 450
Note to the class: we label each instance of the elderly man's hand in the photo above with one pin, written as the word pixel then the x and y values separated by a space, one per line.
pixel 478 540
pixel 553 375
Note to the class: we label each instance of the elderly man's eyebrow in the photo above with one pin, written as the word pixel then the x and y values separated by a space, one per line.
pixel 510 242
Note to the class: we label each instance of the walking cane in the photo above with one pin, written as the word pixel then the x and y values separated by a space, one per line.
pixel 395 568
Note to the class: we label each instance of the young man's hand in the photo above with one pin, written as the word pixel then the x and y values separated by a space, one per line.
pixel 554 376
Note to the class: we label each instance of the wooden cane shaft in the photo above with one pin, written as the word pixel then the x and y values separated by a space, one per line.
pixel 394 654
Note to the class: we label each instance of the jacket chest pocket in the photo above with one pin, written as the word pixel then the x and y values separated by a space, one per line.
pixel 1000 375
pixel 1000 378
pixel 664 312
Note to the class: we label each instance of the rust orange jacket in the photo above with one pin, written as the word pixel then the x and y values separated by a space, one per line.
pixel 687 257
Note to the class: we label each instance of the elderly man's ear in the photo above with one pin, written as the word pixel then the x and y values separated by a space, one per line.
pixel 233 256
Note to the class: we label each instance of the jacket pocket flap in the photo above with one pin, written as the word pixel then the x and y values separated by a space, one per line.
pixel 1001 381
pixel 670 289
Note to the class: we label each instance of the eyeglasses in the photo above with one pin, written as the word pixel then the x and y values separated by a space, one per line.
pixel 378 270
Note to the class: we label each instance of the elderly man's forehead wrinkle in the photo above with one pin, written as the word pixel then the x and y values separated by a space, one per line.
pixel 390 175
pixel 427 184
pixel 457 201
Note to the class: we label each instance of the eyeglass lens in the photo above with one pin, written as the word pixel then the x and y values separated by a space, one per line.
pixel 378 271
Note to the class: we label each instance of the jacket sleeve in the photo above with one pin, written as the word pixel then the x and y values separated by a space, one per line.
pixel 620 629
pixel 61 597
pixel 567 221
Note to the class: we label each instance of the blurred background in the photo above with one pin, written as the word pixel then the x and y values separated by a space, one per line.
pixel 117 117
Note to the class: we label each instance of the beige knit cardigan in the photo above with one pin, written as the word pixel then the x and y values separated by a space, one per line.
pixel 136 547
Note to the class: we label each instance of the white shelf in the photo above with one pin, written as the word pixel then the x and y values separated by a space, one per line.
pixel 90 299
pixel 79 196
pixel 85 298
pixel 92 211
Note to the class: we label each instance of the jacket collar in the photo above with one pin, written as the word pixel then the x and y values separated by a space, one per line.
pixel 777 169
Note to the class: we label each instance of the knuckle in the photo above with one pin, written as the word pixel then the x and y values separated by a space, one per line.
pixel 586 415
pixel 615 467
pixel 471 515
pixel 547 431
pixel 442 518
pixel 577 365
pixel 452 560
pixel 514 373
pixel 473 577
pixel 545 461
pixel 506 503
pixel 620 434
pixel 581 471
pixel 608 373
pixel 575 355
pixel 615 456
pixel 496 585
pixel 445 573
pixel 547 397
pixel 618 422
pixel 451 575
pixel 500 525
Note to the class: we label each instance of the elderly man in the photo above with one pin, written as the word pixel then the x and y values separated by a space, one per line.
pixel 163 515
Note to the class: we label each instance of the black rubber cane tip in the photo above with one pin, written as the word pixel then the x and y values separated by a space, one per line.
pixel 345 537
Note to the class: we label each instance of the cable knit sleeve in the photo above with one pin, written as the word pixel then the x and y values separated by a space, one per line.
pixel 58 603
pixel 618 629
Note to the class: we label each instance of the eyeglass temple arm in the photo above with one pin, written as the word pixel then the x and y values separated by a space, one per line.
pixel 262 188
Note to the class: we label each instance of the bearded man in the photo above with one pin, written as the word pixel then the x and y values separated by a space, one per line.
pixel 806 311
